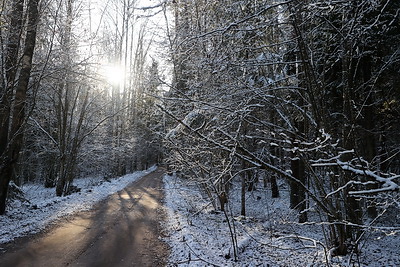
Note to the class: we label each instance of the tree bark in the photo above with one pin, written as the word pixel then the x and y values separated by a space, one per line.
pixel 15 139
pixel 10 66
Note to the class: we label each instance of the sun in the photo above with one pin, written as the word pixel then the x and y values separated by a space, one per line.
pixel 113 74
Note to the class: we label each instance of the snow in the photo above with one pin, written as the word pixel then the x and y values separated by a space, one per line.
pixel 200 236
pixel 267 236
pixel 45 208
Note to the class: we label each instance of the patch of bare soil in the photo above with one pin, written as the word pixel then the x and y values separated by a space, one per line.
pixel 122 230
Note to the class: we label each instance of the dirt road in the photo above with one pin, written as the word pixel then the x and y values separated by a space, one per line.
pixel 122 230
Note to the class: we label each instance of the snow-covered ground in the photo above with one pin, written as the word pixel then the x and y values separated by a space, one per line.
pixel 267 236
pixel 198 235
pixel 44 207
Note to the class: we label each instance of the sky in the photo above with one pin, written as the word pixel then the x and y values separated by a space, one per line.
pixel 102 20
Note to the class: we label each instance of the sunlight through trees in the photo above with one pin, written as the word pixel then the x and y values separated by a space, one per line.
pixel 288 95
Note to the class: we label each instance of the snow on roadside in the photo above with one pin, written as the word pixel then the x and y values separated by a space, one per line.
pixel 44 207
pixel 199 236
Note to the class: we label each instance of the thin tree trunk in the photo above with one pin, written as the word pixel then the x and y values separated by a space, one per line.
pixel 273 158
pixel 297 192
pixel 243 195
pixel 351 205
pixel 368 141
pixel 10 67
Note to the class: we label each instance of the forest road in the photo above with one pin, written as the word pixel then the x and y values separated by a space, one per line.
pixel 122 230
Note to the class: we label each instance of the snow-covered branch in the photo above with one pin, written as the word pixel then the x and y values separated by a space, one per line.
pixel 388 184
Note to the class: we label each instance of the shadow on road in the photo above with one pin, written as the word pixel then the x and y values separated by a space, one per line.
pixel 122 230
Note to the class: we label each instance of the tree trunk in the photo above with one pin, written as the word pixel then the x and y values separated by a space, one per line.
pixel 368 143
pixel 10 67
pixel 243 196
pixel 351 205
pixel 273 177
pixel 14 142
pixel 297 193
pixel 274 186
